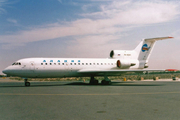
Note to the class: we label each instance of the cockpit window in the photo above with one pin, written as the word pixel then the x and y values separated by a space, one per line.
pixel 16 63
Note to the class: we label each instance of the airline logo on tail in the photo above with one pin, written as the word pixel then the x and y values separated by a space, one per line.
pixel 145 48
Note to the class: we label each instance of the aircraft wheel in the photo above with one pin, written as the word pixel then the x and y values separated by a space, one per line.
pixel 27 83
pixel 93 82
pixel 109 82
pixel 96 82
pixel 103 82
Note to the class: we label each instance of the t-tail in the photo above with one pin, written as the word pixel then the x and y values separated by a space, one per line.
pixel 145 47
pixel 137 58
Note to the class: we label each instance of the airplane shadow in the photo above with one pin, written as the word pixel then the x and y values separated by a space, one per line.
pixel 115 84
pixel 42 85
pixel 49 84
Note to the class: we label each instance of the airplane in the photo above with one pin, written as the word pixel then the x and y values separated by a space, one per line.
pixel 120 62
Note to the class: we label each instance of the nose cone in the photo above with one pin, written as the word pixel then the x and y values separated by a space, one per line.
pixel 12 70
pixel 5 71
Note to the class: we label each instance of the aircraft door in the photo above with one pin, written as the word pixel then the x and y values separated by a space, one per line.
pixel 66 67
pixel 32 66
pixel 66 64
pixel 94 64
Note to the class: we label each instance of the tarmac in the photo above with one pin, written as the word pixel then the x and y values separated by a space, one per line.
pixel 76 100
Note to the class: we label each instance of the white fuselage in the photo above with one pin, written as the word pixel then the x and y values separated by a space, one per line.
pixel 120 61
pixel 61 67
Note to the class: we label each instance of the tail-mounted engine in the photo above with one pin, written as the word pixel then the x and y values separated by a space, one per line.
pixel 121 53
pixel 123 64
pixel 112 54
pixel 115 53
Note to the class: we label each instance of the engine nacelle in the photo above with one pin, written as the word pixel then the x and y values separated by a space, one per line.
pixel 116 53
pixel 123 64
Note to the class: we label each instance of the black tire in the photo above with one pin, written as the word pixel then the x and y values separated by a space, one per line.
pixel 93 82
pixel 109 82
pixel 27 83
pixel 96 82
pixel 103 82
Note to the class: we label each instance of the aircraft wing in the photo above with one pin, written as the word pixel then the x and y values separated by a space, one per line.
pixel 112 72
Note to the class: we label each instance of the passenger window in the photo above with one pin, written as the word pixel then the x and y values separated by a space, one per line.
pixel 78 63
pixel 86 63
pixel 74 63
pixel 50 63
pixel 90 63
pixel 101 63
pixel 41 63
pixel 94 63
pixel 111 63
pixel 58 63
pixel 97 63
pixel 46 63
pixel 82 63
pixel 70 63
pixel 54 63
pixel 62 63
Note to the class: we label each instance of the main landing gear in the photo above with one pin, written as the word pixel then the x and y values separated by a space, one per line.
pixel 26 83
pixel 93 81
pixel 106 81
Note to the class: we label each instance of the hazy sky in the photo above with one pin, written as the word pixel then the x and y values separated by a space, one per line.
pixel 88 28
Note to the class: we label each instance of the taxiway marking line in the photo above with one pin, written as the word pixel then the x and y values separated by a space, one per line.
pixel 115 94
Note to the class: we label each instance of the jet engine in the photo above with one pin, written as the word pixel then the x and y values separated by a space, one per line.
pixel 123 64
pixel 115 53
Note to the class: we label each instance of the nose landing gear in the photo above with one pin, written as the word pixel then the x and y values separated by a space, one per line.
pixel 26 83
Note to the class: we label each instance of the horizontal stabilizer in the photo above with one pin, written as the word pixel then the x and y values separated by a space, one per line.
pixel 144 49
pixel 158 38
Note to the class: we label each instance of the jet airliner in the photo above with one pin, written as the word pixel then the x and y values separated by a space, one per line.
pixel 119 62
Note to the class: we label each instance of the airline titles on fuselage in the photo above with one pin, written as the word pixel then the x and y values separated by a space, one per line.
pixel 78 62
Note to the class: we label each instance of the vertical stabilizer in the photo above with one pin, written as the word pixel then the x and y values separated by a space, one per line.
pixel 145 47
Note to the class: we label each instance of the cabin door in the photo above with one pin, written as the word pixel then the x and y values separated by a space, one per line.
pixel 66 66
pixel 32 66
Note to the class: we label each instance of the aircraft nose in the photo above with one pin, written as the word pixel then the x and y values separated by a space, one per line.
pixel 5 71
